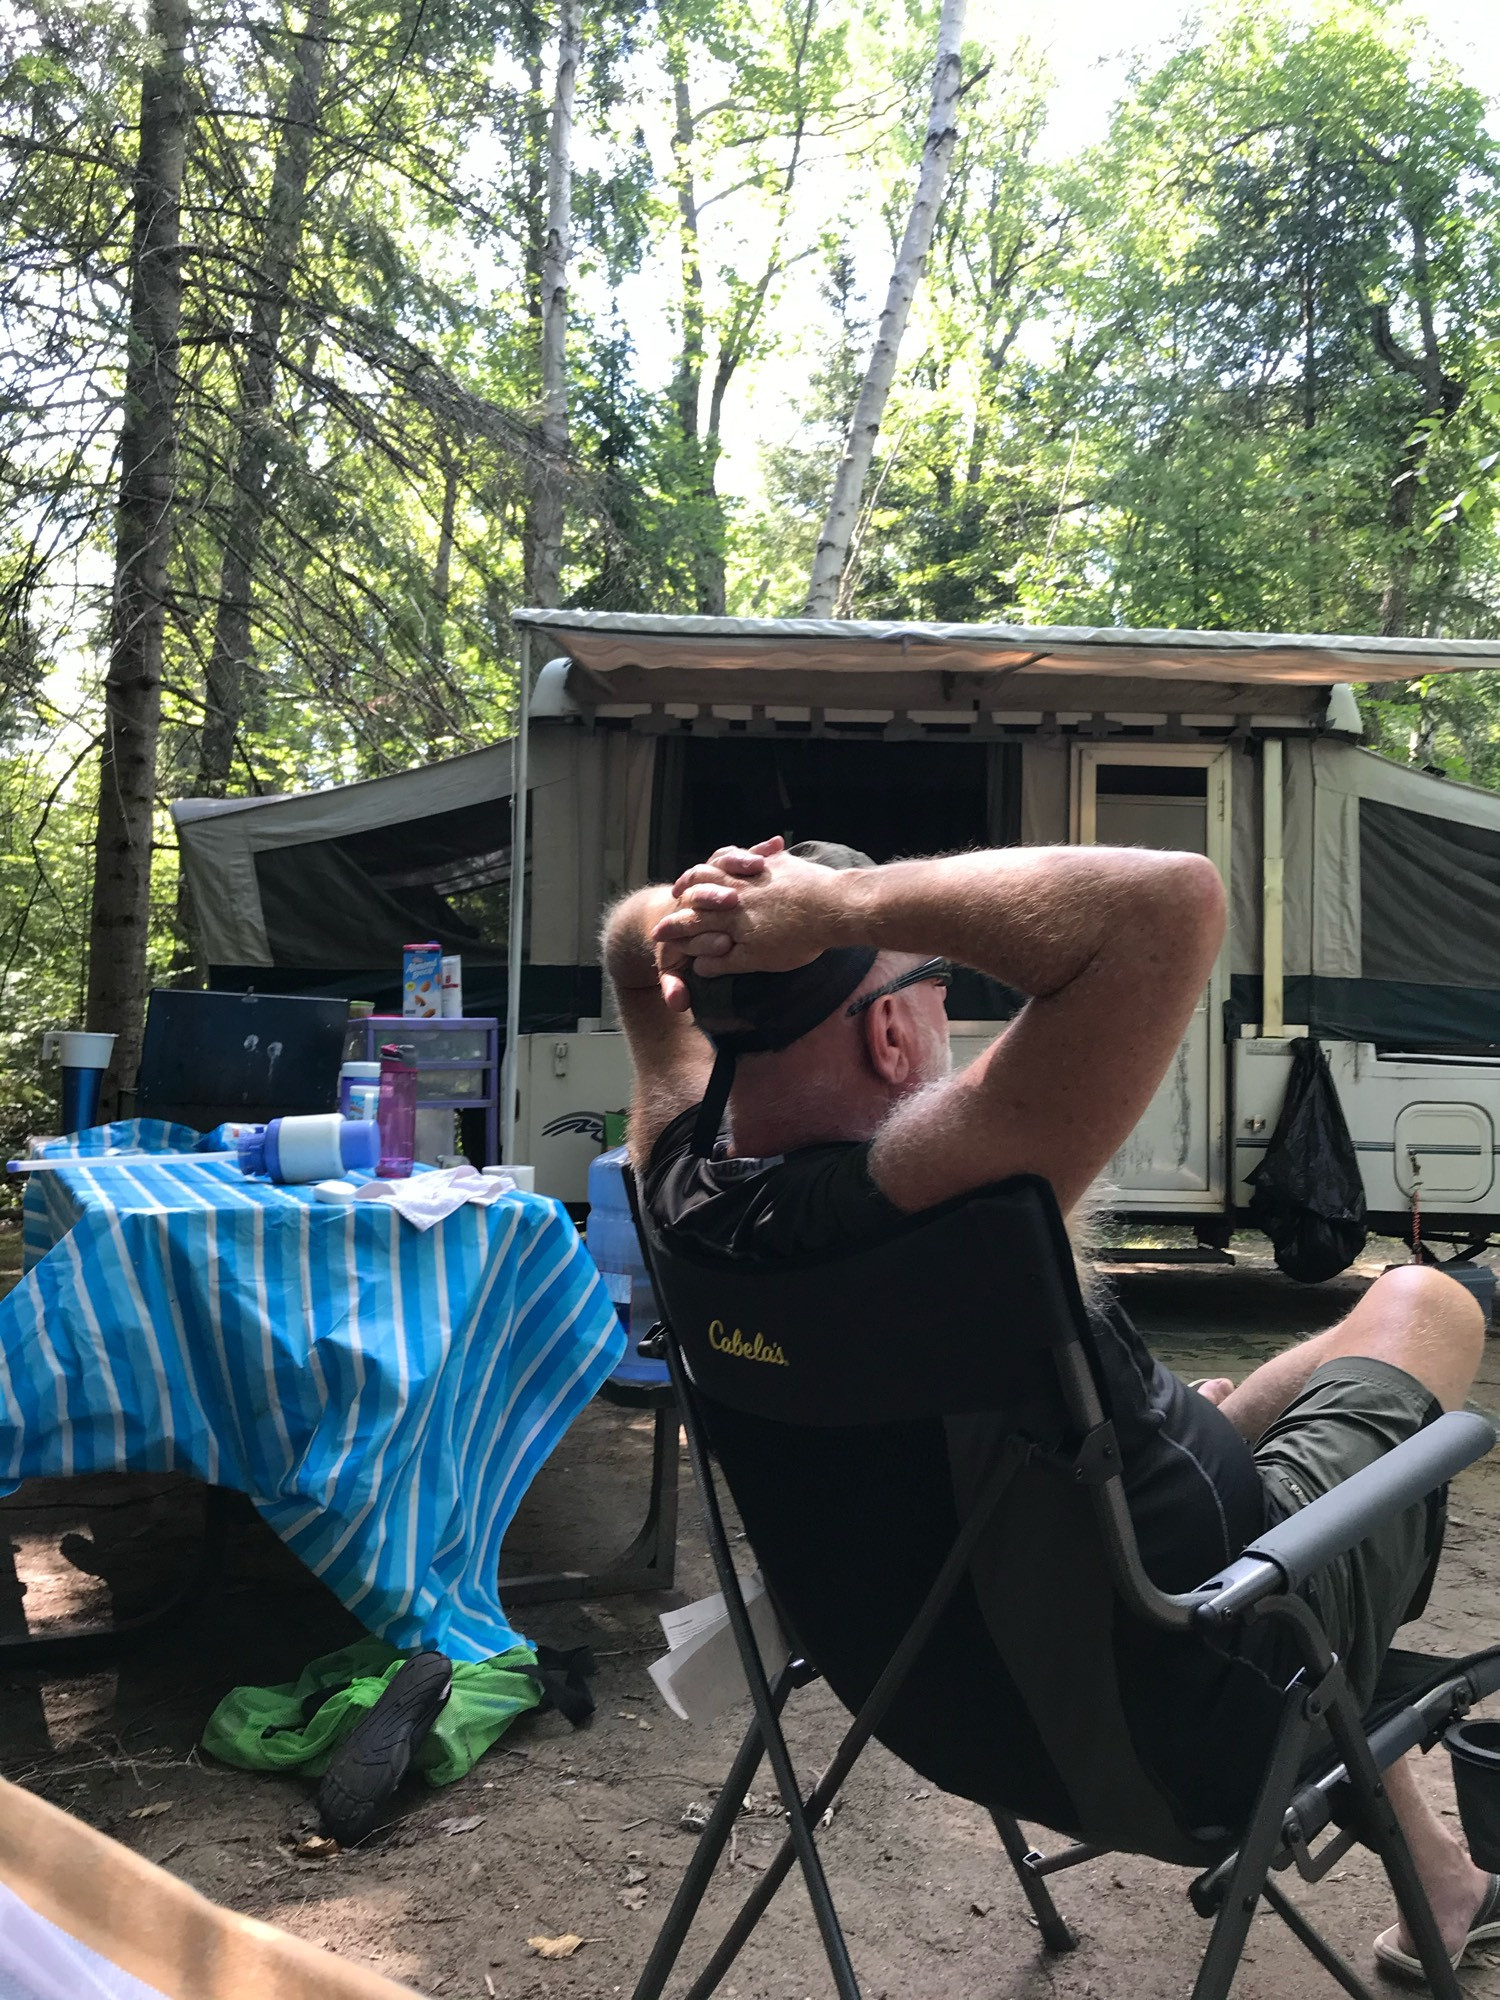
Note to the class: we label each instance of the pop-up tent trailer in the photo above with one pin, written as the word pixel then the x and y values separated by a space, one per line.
pixel 1365 895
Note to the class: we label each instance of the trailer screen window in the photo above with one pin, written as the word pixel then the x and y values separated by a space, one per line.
pixel 1152 805
pixel 890 799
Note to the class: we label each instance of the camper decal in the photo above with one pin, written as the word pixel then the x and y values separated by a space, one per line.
pixel 586 1124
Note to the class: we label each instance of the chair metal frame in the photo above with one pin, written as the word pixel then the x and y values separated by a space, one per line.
pixel 1298 1800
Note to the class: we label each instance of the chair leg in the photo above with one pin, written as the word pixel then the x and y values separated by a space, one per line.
pixel 1055 1933
pixel 711 1844
pixel 859 1731
pixel 68 1650
pixel 1252 1864
pixel 801 1825
pixel 1335 1966
pixel 1381 1830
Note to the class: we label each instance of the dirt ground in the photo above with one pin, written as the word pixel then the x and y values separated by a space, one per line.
pixel 578 1830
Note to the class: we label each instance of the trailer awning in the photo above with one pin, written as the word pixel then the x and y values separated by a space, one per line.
pixel 622 657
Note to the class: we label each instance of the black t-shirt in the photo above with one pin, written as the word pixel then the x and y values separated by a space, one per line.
pixel 1195 1496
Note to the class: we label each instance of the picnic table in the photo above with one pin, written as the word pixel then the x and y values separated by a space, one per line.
pixel 383 1394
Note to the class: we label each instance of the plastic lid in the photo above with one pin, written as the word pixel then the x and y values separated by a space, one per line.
pixel 359 1144
pixel 251 1148
pixel 362 1072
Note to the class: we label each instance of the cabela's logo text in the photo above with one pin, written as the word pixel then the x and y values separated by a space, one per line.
pixel 759 1349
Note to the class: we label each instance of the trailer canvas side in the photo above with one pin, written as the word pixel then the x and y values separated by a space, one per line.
pixel 1365 896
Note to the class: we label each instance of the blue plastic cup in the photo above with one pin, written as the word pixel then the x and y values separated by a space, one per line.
pixel 85 1058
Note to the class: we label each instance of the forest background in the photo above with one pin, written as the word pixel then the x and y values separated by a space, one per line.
pixel 331 332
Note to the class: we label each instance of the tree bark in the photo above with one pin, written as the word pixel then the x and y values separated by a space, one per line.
pixel 699 452
pixel 229 655
pixel 120 914
pixel 849 481
pixel 688 384
pixel 442 568
pixel 1442 394
pixel 544 537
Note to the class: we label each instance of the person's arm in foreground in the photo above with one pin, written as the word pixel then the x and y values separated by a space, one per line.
pixel 1111 944
pixel 671 1060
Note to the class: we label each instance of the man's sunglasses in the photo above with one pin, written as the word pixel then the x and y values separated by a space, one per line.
pixel 937 969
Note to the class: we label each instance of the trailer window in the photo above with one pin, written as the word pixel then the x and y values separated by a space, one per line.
pixel 890 799
pixel 1152 805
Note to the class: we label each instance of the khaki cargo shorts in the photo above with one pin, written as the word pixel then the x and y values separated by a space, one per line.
pixel 1351 1413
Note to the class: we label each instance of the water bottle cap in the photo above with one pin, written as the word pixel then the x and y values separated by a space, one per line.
pixel 359 1144
pixel 250 1147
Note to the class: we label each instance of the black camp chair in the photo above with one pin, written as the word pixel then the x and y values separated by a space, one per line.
pixel 823 1390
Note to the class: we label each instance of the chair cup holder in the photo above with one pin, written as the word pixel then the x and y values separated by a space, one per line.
pixel 1474 1748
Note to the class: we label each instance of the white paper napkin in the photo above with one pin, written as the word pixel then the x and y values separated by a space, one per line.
pixel 426 1198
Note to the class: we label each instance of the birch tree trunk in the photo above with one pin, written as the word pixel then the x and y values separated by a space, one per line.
pixel 229 655
pixel 688 381
pixel 545 528
pixel 854 468
pixel 120 914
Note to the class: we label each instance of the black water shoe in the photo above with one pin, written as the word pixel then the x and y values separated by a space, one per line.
pixel 375 1756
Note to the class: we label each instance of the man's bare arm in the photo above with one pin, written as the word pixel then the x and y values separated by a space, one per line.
pixel 670 1059
pixel 1112 946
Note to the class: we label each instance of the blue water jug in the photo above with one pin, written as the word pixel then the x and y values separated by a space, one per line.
pixel 612 1244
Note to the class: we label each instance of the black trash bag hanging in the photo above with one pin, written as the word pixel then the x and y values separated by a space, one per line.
pixel 1309 1197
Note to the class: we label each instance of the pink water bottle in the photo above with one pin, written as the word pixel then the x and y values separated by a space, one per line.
pixel 397 1116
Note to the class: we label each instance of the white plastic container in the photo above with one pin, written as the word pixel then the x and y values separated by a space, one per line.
pixel 359 1091
pixel 453 987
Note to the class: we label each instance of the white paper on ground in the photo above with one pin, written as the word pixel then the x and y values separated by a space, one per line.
pixel 426 1198
pixel 40 1962
pixel 701 1676
pixel 685 1623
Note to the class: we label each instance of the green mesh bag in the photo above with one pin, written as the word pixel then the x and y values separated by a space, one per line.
pixel 300 1724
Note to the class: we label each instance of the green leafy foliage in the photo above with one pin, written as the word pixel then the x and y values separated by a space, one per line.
pixel 1238 365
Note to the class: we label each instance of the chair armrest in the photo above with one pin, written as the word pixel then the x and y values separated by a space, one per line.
pixel 1307 1541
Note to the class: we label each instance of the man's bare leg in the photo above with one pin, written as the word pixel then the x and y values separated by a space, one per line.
pixel 1455 1887
pixel 1412 1317
pixel 1418 1320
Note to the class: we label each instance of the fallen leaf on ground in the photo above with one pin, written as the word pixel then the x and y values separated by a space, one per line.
pixel 634 1875
pixel 632 1899
pixel 694 1817
pixel 151 1812
pixel 316 1847
pixel 452 1826
pixel 558 1947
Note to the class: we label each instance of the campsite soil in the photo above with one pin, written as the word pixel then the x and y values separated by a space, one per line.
pixel 576 1828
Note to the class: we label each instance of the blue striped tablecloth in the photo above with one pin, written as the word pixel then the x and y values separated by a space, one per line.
pixel 383 1394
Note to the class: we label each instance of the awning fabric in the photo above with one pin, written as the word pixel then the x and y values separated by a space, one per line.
pixel 628 650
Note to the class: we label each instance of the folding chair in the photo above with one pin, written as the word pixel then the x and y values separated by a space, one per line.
pixel 828 1393
pixel 81 1915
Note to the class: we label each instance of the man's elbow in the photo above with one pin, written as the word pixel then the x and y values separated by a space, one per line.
pixel 1189 897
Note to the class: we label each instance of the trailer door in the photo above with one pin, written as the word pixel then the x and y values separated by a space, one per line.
pixel 1166 796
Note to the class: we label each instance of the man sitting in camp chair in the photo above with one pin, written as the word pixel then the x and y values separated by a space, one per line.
pixel 843 1118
